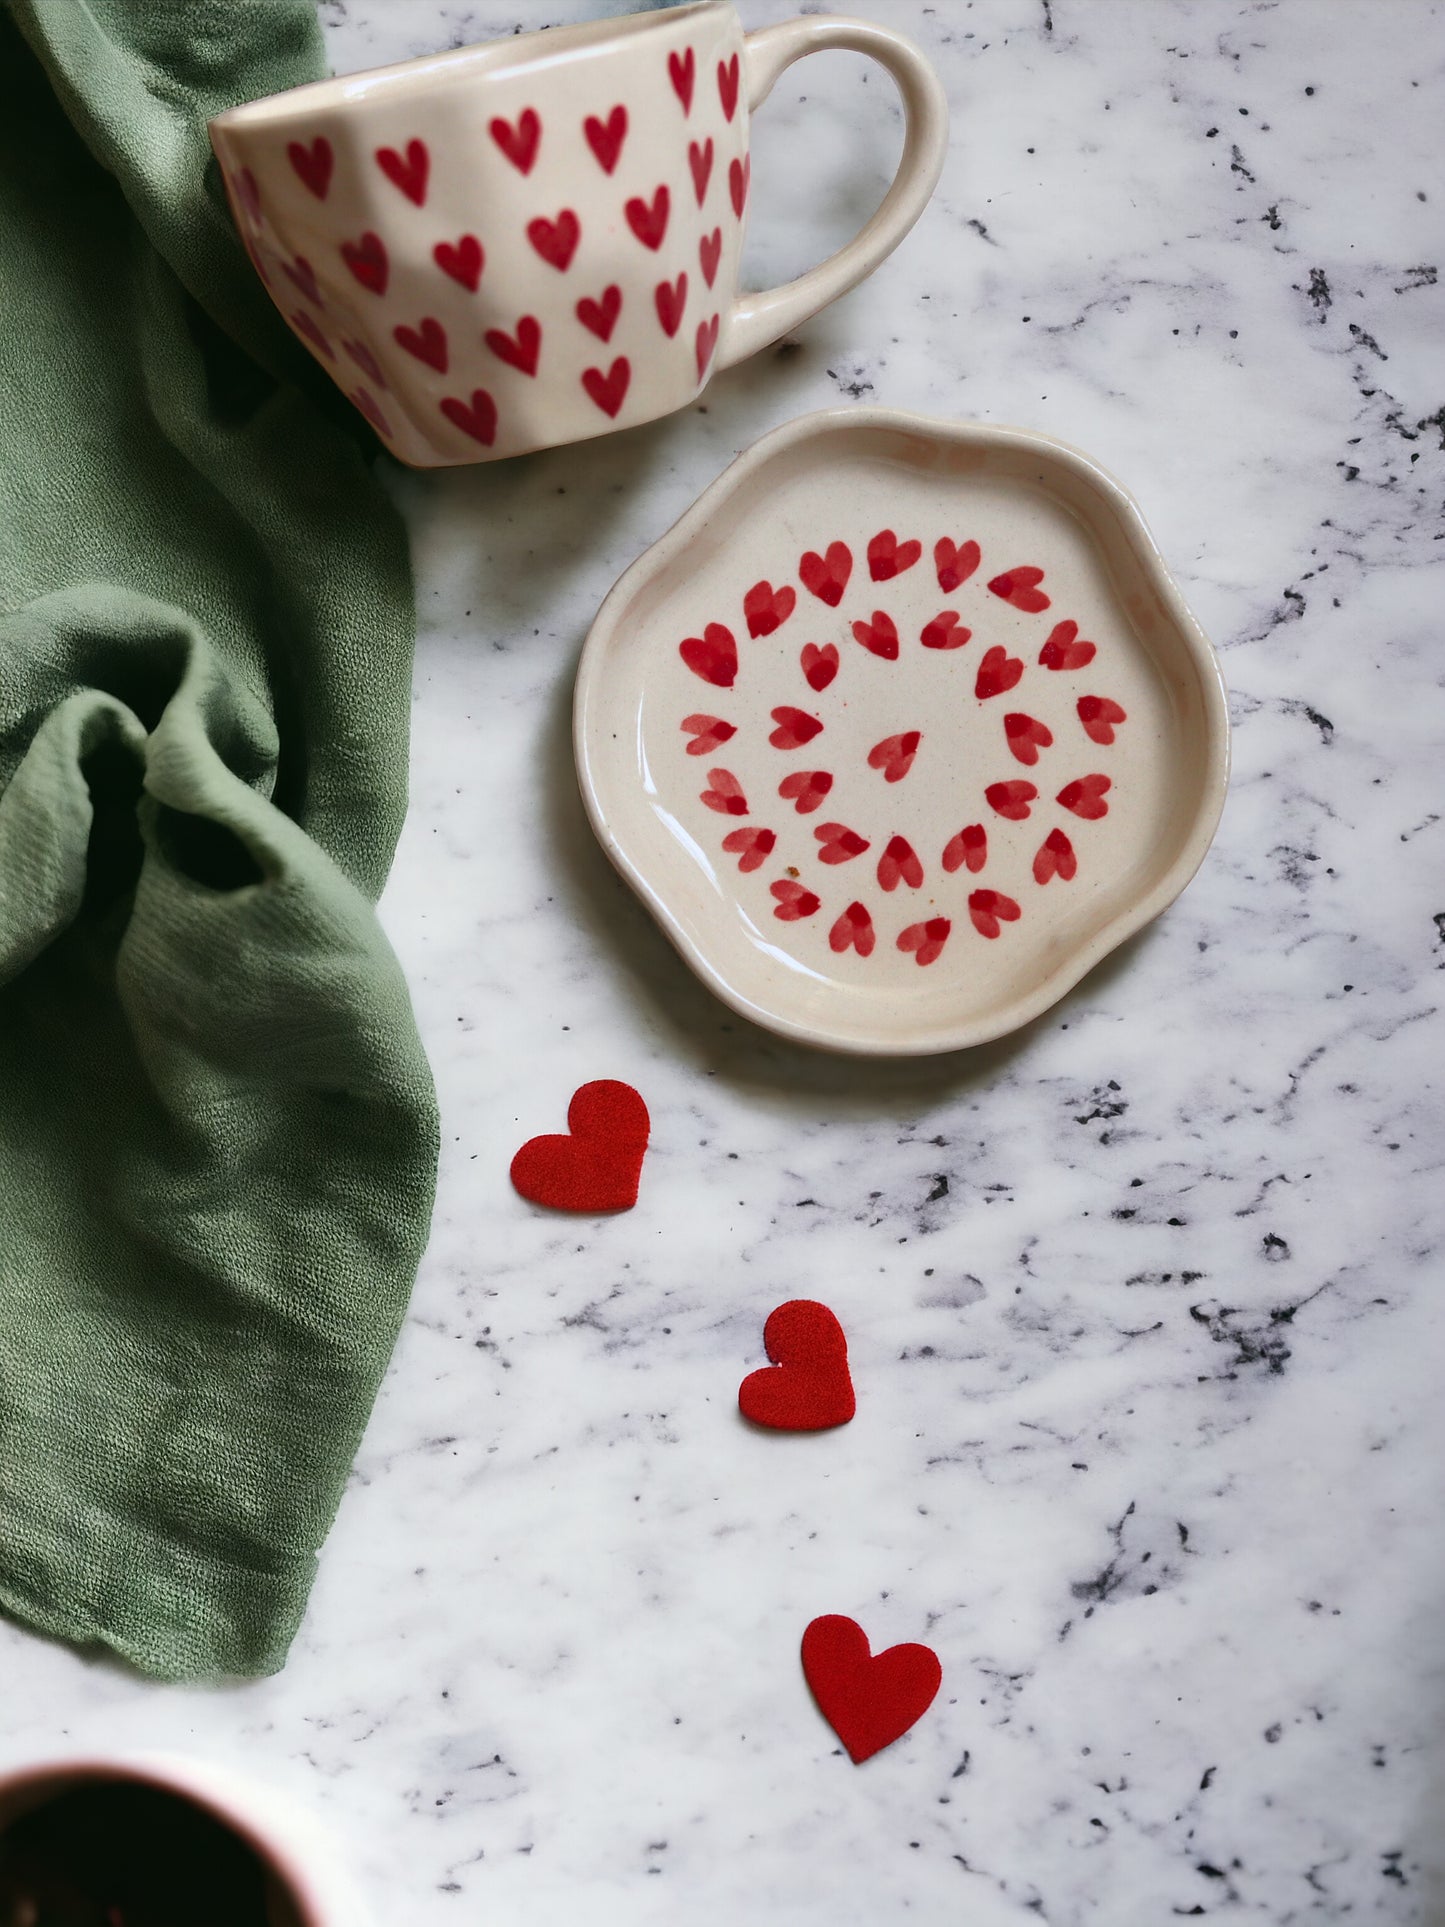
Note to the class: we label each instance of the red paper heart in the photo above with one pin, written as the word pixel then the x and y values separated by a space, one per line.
pixel 820 666
pixel 1026 735
pixel 726 794
pixel 556 241
pixel 477 418
pixel 427 343
pixel 793 901
pixel 601 316
pixel 522 350
pixel 605 138
pixel 988 908
pixel 727 85
pixel 1062 651
pixel 895 754
pixel 838 844
pixel 795 727
pixel 313 164
pixel 708 250
pixel 682 70
pixel 609 391
pixel 945 632
pixel 1085 797
pixel 970 846
pixel 670 298
pixel 869 1699
pixel 899 864
pixel 767 608
pixel 1055 857
pixel 1011 799
pixel 998 672
pixel 410 173
pixel 649 222
pixel 1017 588
pixel 367 260
pixel 707 733
pixel 520 143
pixel 750 846
pixel 879 636
pixel 887 556
pixel 699 159
pixel 597 1165
pixel 854 927
pixel 955 562
pixel 805 789
pixel 826 576
pixel 807 1388
pixel 463 261
pixel 925 940
pixel 706 343
pixel 713 655
pixel 1099 714
pixel 740 173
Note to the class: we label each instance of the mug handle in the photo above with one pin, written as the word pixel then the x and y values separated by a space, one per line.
pixel 756 319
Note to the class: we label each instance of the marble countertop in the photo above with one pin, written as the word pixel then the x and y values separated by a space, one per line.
pixel 1144 1302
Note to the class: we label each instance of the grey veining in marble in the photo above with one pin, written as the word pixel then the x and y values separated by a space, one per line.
pixel 1145 1304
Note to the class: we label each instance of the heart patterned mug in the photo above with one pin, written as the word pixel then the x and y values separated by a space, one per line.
pixel 537 240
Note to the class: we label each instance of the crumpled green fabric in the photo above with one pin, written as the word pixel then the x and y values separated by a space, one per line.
pixel 217 1125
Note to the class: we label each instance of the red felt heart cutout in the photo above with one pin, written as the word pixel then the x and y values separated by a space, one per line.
pixel 944 632
pixel 805 789
pixel 879 637
pixel 699 159
pixel 751 847
pixel 609 391
pixel 869 1699
pixel 556 241
pixel 925 940
pixel 313 164
pixel 367 260
pixel 820 666
pixel 826 576
pixel 707 733
pixel 1055 857
pixel 520 143
pixel 670 298
pixel 1018 587
pixel 807 1388
pixel 955 562
pixel 767 608
pixel 477 418
pixel 648 221
pixel 895 754
pixel 838 844
pixel 605 138
pixel 713 655
pixel 601 316
pixel 795 727
pixel 1026 735
pixel 521 350
pixel 998 672
pixel 1099 714
pixel 408 172
pixel 1085 797
pixel 970 846
pixel 597 1165
pixel 854 929
pixel 1064 651
pixel 887 556
pixel 990 908
pixel 462 260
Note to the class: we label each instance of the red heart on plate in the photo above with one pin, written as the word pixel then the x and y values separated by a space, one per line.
pixel 899 864
pixel 1018 587
pixel 519 143
pixel 805 789
pixel 726 794
pixel 1055 857
pixel 601 316
pixel 605 138
pixel 1063 651
pixel 988 908
pixel 367 260
pixel 887 556
pixel 1011 799
pixel 463 261
pixel 1026 735
pixel 648 220
pixel 869 1699
pixel 820 666
pixel 521 350
pixel 955 562
pixel 807 1388
pixel 409 174
pixel 970 846
pixel 795 727
pixel 925 940
pixel 879 636
pixel 707 733
pixel 609 391
pixel 895 754
pixel 945 632
pixel 1099 714
pixel 854 927
pixel 597 1165
pixel 427 343
pixel 750 847
pixel 793 901
pixel 313 164
pixel 767 608
pixel 1085 797
pixel 838 844
pixel 998 671
pixel 713 655
pixel 826 576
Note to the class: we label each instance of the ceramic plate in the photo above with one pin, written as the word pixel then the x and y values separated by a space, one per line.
pixel 900 729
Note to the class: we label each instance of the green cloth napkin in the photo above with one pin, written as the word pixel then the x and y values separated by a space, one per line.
pixel 217 1126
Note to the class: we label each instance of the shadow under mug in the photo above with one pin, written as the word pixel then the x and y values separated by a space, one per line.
pixel 538 240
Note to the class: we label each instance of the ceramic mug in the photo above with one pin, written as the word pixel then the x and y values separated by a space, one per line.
pixel 534 241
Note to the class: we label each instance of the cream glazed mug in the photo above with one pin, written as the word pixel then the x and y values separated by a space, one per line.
pixel 537 240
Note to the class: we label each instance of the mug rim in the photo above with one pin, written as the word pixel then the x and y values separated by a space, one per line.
pixel 50 1778
pixel 508 55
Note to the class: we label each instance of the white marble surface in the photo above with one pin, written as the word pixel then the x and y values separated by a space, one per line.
pixel 1144 1304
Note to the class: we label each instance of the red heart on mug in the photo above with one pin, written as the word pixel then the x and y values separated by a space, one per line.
pixel 670 298
pixel 682 71
pixel 699 159
pixel 713 655
pixel 520 143
pixel 601 316
pixel 706 342
pixel 807 1388
pixel 727 86
pixel 427 343
pixel 609 391
pixel 367 260
pixel 826 576
pixel 869 1699
pixel 649 221
pixel 597 1164
pixel 477 418
pixel 462 260
pixel 408 172
pixel 740 174
pixel 313 164
pixel 708 250
pixel 605 138
pixel 556 241
pixel 521 350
